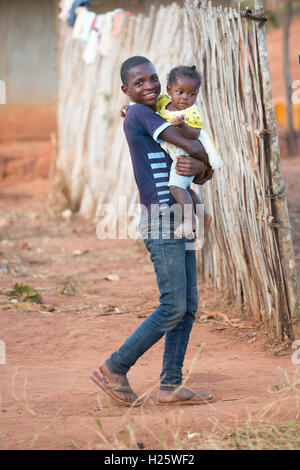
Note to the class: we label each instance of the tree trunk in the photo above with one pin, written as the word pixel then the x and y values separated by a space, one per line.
pixel 291 138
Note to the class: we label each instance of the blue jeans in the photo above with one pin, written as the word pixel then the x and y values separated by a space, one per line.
pixel 176 275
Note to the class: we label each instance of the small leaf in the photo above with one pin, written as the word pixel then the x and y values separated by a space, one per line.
pixel 25 293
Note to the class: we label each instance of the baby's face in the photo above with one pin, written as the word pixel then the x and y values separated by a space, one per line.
pixel 183 92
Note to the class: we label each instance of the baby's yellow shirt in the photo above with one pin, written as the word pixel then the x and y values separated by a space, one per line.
pixel 192 116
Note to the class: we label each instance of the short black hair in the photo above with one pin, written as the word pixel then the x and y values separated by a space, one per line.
pixel 184 71
pixel 129 64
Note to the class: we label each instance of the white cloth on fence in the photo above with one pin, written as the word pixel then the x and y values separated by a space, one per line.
pixel 105 42
pixel 213 156
pixel 99 22
pixel 90 51
pixel 65 6
pixel 79 22
pixel 87 26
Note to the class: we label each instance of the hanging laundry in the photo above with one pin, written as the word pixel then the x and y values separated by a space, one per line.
pixel 105 43
pixel 75 5
pixel 98 23
pixel 65 6
pixel 118 21
pixel 90 51
pixel 89 18
pixel 81 12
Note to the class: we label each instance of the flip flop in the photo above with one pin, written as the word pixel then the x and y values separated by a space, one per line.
pixel 196 398
pixel 101 381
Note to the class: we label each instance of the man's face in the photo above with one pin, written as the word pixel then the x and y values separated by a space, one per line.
pixel 143 85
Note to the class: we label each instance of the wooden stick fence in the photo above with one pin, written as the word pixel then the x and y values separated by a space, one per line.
pixel 249 255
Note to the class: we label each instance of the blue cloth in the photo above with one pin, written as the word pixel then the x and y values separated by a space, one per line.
pixel 180 181
pixel 76 4
pixel 151 164
pixel 176 275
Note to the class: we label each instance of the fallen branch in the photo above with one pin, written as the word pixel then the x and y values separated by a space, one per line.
pixel 219 314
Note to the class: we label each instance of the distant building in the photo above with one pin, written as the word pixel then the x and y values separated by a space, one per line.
pixel 28 62
pixel 28 68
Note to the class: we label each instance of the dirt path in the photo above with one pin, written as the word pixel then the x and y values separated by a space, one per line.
pixel 48 400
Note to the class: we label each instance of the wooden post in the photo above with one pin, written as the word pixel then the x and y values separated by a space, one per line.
pixel 278 187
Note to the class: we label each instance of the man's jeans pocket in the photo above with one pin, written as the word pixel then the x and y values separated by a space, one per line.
pixel 157 229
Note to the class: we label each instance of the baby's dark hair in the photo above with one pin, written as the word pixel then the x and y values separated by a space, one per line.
pixel 184 71
pixel 129 64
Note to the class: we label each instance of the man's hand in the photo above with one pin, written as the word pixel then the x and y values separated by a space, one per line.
pixel 188 166
pixel 200 179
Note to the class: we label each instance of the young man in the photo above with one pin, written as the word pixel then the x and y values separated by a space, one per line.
pixel 175 266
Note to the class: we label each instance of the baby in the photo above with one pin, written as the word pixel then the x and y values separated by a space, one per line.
pixel 178 107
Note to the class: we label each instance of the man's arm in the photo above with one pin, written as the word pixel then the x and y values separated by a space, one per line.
pixel 189 132
pixel 193 147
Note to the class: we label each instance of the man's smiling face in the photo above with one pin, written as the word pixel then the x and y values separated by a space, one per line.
pixel 143 85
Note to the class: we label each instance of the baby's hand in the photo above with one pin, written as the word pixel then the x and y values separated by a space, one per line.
pixel 178 121
pixel 124 110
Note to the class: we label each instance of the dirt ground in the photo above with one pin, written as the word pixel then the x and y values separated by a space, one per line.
pixel 47 400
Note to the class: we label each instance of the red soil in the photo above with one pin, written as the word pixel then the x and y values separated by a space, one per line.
pixel 51 349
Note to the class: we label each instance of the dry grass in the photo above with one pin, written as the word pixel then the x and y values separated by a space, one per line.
pixel 275 426
pixel 269 429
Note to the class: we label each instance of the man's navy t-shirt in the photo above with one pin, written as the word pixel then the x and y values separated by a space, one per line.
pixel 151 165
